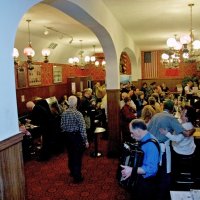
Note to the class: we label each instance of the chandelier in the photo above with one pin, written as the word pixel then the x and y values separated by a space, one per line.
pixel 91 59
pixel 187 49
pixel 29 51
pixel 82 61
pixel 78 61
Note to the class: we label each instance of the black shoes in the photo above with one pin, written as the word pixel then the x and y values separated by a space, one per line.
pixel 78 180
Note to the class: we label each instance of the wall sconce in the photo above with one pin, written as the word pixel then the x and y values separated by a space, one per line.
pixel 46 53
pixel 15 55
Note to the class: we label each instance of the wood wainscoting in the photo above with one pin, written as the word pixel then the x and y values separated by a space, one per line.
pixel 30 93
pixel 113 104
pixel 12 181
pixel 171 83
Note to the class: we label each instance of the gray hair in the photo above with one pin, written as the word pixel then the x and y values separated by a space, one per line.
pixel 72 101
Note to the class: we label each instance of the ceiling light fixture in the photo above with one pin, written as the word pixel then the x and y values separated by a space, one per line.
pixel 46 32
pixel 187 49
pixel 91 59
pixel 78 61
pixel 60 34
pixel 100 61
pixel 97 60
pixel 29 51
pixel 46 52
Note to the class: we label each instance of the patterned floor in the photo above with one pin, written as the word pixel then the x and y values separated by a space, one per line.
pixel 50 180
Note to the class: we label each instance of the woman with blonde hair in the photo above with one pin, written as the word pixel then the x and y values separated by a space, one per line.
pixel 147 113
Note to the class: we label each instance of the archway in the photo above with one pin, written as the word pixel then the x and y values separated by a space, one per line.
pixel 8 105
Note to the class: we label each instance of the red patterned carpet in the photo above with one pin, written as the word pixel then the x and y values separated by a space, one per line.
pixel 50 180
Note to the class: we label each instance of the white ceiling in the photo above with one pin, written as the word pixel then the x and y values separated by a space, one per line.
pixel 148 22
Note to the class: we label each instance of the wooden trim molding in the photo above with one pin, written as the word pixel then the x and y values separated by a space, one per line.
pixel 12 180
pixel 11 141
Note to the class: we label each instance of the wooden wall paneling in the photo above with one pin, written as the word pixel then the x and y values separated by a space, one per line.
pixel 44 92
pixel 171 83
pixel 12 180
pixel 85 81
pixel 78 84
pixel 57 90
pixel 114 142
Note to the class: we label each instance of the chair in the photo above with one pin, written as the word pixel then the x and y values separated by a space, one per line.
pixel 184 177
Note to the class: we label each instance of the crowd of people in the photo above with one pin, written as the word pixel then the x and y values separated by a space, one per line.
pixel 147 112
pixel 151 111
pixel 69 122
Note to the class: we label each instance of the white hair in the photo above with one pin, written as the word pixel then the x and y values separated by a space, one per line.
pixel 72 101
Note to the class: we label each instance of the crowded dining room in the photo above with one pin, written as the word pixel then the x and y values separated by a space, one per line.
pixel 100 100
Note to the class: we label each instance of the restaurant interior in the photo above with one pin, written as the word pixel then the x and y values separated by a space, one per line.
pixel 59 51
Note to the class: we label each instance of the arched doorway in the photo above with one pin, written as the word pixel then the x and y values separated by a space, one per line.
pixel 10 143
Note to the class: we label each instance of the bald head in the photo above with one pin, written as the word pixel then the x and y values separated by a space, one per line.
pixel 30 105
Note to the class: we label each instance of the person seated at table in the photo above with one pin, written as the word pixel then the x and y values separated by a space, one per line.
pixel 23 129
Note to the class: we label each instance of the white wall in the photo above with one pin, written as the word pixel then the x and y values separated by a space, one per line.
pixel 11 13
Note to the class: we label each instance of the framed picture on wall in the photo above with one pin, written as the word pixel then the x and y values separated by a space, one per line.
pixel 57 74
pixel 34 75
pixel 21 77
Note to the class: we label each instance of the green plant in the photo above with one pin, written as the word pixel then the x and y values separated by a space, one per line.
pixel 194 78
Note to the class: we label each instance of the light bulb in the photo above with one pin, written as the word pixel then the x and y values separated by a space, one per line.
pixel 171 42
pixel 196 44
pixel 46 52
pixel 15 53
pixel 165 56
pixel 185 39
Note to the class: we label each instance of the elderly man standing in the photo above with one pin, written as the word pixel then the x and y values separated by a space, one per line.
pixel 73 126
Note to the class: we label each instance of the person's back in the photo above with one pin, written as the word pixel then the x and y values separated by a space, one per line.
pixel 166 121
pixel 183 154
pixel 181 144
pixel 74 129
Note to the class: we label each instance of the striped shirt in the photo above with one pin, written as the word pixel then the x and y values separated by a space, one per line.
pixel 72 121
